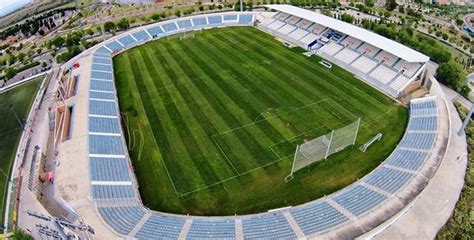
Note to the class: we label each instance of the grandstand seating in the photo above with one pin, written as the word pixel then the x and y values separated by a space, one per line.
pixel 368 50
pixel 214 20
pixel 94 94
pixel 387 179
pixel 276 25
pixel 104 125
pixel 184 24
pixel 407 159
pixel 399 82
pixel 316 28
pixel 155 31
pixel 201 21
pixel 428 123
pixel 309 39
pixel 347 55
pixel 158 226
pixel 364 64
pixel 282 16
pixel 109 169
pixel 408 69
pixel 298 34
pixel 141 36
pixel 125 218
pixel 287 29
pixel 111 174
pixel 317 217
pixel 105 145
pixel 383 74
pixel 267 226
pixel 304 24
pixel 102 67
pixel 392 75
pixel 127 41
pixel 114 46
pixel 231 17
pixel 118 192
pixel 218 229
pixel 359 199
pixel 293 20
pixel 351 42
pixel 387 58
pixel 331 48
pixel 102 108
pixel 102 85
pixel 169 27
pixel 245 18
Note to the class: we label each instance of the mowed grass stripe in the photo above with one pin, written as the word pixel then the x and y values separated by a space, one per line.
pixel 200 124
pixel 298 95
pixel 336 88
pixel 214 97
pixel 170 118
pixel 196 167
pixel 205 108
pixel 157 124
pixel 289 91
pixel 278 72
pixel 264 133
pixel 280 86
pixel 136 118
pixel 222 89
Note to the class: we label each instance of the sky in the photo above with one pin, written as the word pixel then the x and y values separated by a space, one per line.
pixel 8 6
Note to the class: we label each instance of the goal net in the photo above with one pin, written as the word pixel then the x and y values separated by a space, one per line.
pixel 322 147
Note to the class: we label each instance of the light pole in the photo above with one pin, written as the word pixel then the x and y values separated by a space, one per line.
pixel 241 5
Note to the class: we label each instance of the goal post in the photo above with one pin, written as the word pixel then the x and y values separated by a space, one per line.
pixel 323 146
pixel 366 145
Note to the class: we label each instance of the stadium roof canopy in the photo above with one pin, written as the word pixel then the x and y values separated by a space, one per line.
pixel 381 42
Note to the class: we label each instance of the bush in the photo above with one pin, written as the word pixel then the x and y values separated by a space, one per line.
pixel 451 74
pixel 109 26
pixel 347 18
pixel 123 24
pixel 155 16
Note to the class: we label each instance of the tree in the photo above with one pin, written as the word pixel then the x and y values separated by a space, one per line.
pixel 9 73
pixel 90 31
pixel 401 9
pixel 109 26
pixel 451 74
pixel 155 16
pixel 347 18
pixel 11 59
pixel 123 24
pixel 57 41
pixel 177 13
pixel 369 3
pixel 21 56
pixel 391 5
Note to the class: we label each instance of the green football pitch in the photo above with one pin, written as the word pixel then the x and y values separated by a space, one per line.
pixel 212 122
pixel 14 108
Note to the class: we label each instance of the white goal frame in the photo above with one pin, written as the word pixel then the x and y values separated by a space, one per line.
pixel 322 147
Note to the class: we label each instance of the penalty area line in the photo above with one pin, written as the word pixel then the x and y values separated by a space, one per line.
pixel 231 178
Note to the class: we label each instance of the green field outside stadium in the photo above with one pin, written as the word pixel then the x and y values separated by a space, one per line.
pixel 212 122
pixel 14 108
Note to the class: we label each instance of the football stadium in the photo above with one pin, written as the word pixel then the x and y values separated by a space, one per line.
pixel 279 123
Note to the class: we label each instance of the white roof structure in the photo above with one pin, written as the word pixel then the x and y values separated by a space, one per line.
pixel 381 42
